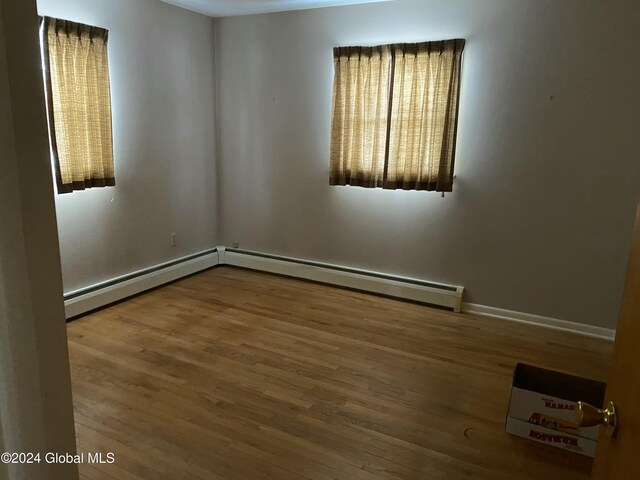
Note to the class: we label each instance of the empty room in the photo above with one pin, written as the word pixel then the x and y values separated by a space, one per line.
pixel 319 239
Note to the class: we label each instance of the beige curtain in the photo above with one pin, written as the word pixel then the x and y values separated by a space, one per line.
pixel 79 104
pixel 417 107
pixel 360 112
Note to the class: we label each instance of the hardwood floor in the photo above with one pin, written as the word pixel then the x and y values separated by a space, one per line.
pixel 232 374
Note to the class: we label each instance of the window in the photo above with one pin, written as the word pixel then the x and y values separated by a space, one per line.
pixel 394 115
pixel 76 73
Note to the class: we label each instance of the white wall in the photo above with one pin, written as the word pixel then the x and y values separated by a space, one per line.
pixel 547 168
pixel 161 62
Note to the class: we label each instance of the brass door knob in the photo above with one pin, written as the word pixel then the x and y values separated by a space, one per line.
pixel 590 416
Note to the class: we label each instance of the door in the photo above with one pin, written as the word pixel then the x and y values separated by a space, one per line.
pixel 618 458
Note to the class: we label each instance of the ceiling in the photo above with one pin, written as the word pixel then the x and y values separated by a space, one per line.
pixel 226 8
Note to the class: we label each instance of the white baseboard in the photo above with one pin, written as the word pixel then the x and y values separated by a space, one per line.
pixel 98 295
pixel 101 294
pixel 547 322
pixel 375 282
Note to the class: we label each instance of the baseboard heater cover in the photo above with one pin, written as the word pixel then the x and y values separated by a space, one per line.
pixel 95 296
pixel 390 285
pixel 98 295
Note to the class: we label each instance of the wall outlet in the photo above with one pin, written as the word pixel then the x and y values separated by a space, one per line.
pixel 174 239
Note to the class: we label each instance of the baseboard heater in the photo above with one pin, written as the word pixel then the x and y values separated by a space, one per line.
pixel 95 296
pixel 89 298
pixel 368 281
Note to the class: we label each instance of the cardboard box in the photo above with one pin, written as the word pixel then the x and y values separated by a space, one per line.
pixel 542 408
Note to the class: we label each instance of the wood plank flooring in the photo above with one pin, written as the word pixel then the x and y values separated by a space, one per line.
pixel 232 374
